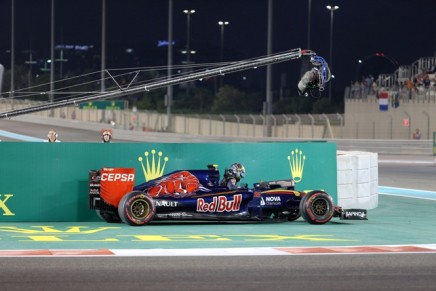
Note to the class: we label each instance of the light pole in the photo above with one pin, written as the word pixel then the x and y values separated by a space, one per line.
pixel 188 52
pixel 103 45
pixel 30 62
pixel 269 96
pixel 11 94
pixel 332 10
pixel 305 63
pixel 309 14
pixel 188 13
pixel 359 64
pixel 169 97
pixel 52 55
pixel 222 24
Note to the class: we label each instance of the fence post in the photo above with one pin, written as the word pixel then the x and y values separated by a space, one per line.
pixel 275 126
pixel 224 124
pixel 342 124
pixel 199 123
pixel 428 124
pixel 237 120
pixel 254 124
pixel 312 122
pixel 299 125
pixel 263 123
pixel 328 125
pixel 287 124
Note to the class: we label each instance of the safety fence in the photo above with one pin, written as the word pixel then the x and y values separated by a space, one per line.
pixel 251 125
pixel 362 120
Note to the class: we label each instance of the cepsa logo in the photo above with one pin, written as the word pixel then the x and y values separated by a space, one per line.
pixel 113 177
pixel 220 204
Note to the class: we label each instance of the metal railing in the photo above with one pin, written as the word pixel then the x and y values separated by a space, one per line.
pixel 404 73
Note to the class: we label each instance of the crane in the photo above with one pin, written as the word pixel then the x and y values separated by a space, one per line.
pixel 316 78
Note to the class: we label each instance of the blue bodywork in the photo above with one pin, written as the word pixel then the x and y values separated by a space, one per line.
pixel 266 200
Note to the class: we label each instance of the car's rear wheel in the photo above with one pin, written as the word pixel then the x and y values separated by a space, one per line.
pixel 317 207
pixel 136 208
pixel 108 216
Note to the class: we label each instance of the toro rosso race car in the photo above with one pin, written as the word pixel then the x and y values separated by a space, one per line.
pixel 197 195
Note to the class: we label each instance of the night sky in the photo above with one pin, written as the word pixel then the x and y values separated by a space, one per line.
pixel 404 30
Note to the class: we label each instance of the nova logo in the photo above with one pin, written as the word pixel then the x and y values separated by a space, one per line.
pixel 272 199
pixel 6 210
pixel 153 169
pixel 296 164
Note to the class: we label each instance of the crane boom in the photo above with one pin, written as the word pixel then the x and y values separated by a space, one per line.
pixel 230 68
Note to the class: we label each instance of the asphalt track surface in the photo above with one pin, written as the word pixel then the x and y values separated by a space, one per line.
pixel 394 250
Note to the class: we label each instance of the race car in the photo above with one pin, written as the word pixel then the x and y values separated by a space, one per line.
pixel 198 195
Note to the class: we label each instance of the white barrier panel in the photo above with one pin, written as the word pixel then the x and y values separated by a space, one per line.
pixel 357 179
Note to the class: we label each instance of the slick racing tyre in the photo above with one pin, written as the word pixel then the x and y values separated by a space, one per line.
pixel 108 216
pixel 136 208
pixel 317 207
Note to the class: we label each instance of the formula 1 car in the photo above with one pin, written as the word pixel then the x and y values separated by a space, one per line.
pixel 197 195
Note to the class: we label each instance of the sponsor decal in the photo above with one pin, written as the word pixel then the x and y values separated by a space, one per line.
pixel 272 200
pixel 153 168
pixel 354 213
pixel 179 184
pixel 296 164
pixel 115 182
pixel 3 199
pixel 165 203
pixel 173 214
pixel 220 204
pixel 113 177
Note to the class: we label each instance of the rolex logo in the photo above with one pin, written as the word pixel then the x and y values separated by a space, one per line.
pixel 153 169
pixel 296 164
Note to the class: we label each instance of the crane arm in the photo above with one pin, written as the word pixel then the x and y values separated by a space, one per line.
pixel 178 79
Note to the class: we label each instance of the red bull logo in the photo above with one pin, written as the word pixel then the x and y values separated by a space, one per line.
pixel 220 204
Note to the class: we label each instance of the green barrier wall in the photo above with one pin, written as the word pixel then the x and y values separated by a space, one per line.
pixel 434 143
pixel 48 181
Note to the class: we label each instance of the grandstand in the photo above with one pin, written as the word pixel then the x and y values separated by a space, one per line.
pixel 422 74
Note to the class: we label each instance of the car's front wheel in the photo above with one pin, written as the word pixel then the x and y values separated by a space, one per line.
pixel 294 216
pixel 317 207
pixel 136 208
